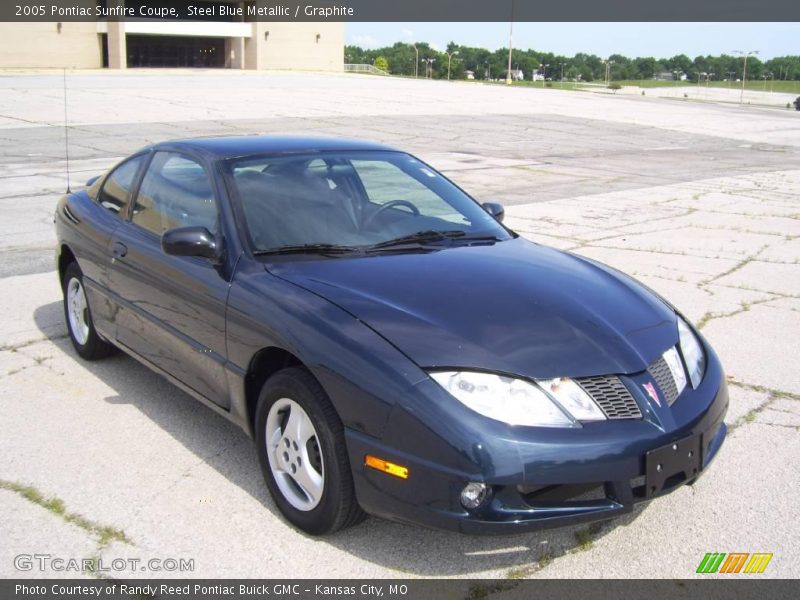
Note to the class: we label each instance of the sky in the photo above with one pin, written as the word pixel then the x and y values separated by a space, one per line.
pixel 660 40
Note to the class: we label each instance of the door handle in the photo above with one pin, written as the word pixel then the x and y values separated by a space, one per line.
pixel 120 250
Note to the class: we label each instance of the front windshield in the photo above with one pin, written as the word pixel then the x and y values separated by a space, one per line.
pixel 352 199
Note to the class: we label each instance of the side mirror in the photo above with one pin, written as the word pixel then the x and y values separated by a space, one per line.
pixel 190 241
pixel 495 209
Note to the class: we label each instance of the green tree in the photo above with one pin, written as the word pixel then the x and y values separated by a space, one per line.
pixel 382 64
pixel 402 59
pixel 645 68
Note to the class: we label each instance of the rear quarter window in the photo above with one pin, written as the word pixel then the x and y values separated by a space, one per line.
pixel 115 193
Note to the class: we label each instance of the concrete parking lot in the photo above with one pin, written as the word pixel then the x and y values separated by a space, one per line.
pixel 701 201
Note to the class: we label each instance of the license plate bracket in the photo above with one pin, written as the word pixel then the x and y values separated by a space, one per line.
pixel 673 464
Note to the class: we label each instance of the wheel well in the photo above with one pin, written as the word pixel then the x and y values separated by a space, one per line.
pixel 65 257
pixel 264 365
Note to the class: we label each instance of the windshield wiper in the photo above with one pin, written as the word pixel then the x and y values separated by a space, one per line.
pixel 420 237
pixel 478 237
pixel 308 249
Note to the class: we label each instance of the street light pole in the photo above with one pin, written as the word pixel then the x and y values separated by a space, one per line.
pixel 450 56
pixel 510 45
pixel 608 70
pixel 428 67
pixel 416 61
pixel 744 69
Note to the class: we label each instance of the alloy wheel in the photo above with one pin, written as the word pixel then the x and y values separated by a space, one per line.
pixel 294 454
pixel 77 311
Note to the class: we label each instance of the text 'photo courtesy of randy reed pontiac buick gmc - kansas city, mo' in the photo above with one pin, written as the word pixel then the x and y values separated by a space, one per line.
pixel 391 347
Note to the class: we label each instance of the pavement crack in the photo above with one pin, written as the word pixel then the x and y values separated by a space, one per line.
pixel 105 534
pixel 584 541
pixel 772 396
pixel 764 390
pixel 743 307
pixel 738 266
pixel 26 344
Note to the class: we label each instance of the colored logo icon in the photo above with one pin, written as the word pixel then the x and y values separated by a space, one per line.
pixel 735 562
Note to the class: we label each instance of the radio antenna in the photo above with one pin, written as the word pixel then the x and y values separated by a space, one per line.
pixel 66 131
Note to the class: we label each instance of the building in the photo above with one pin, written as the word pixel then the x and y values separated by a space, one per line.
pixel 217 41
pixel 670 76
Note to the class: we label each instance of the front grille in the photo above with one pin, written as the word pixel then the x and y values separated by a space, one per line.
pixel 663 376
pixel 611 396
pixel 562 495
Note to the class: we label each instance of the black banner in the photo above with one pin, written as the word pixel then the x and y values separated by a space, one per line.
pixel 405 10
pixel 728 588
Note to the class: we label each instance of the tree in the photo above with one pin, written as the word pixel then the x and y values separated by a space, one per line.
pixel 401 57
pixel 382 64
pixel 646 68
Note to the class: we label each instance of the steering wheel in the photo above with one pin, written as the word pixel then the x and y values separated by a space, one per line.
pixel 391 204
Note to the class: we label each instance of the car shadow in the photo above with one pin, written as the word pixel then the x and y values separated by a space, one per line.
pixel 229 451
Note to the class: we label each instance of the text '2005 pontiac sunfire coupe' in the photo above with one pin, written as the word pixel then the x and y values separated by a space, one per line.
pixel 390 346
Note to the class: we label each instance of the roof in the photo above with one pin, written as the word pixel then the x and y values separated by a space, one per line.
pixel 248 145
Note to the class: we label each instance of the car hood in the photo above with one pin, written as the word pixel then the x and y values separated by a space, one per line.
pixel 514 307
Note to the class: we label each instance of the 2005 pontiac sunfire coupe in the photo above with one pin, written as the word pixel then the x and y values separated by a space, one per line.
pixel 391 347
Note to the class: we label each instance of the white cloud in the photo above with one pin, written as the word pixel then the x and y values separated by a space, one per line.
pixel 436 46
pixel 364 41
pixel 407 33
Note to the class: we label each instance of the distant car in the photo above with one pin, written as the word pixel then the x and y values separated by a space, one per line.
pixel 391 347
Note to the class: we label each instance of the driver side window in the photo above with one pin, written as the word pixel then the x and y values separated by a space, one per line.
pixel 175 192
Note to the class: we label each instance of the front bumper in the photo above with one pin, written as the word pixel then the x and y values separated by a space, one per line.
pixel 562 478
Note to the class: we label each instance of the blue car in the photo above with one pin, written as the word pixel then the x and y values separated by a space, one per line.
pixel 389 345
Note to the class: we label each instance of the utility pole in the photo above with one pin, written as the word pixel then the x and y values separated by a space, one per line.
pixel 416 62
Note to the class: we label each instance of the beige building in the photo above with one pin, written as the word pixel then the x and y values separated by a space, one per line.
pixel 229 42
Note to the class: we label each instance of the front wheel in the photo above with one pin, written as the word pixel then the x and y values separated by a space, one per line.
pixel 81 329
pixel 301 448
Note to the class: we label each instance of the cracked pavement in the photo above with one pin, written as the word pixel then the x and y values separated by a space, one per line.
pixel 701 202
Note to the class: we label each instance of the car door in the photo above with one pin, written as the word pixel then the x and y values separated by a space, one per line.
pixel 172 307
pixel 96 228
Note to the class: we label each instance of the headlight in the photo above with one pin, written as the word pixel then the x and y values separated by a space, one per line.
pixel 520 402
pixel 692 352
pixel 572 397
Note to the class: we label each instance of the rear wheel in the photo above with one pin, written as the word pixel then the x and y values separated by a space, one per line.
pixel 301 448
pixel 78 316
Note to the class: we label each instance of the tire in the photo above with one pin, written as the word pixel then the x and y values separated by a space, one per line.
pixel 301 449
pixel 78 317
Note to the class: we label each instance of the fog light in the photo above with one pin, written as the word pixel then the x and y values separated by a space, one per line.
pixel 474 494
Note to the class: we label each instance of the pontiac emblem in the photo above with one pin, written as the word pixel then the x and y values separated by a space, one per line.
pixel 651 391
